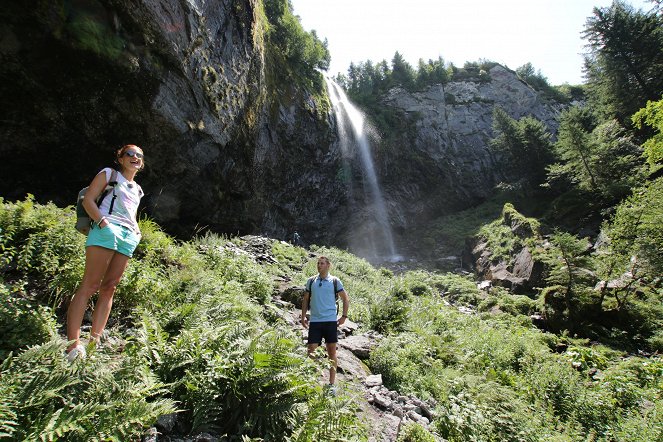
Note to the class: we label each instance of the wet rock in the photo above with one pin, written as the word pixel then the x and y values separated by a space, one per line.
pixel 348 328
pixel 166 423
pixel 382 401
pixel 151 435
pixel 294 295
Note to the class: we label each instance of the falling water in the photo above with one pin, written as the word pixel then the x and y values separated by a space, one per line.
pixel 379 241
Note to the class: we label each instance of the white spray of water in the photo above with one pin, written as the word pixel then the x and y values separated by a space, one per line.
pixel 348 114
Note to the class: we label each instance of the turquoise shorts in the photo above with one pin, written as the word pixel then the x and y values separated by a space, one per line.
pixel 114 237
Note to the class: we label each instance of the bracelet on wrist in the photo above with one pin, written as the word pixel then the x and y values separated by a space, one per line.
pixel 344 316
pixel 101 220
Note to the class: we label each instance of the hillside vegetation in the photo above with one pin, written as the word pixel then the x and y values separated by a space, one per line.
pixel 196 330
pixel 200 329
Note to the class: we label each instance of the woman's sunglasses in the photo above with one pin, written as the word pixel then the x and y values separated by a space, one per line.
pixel 133 153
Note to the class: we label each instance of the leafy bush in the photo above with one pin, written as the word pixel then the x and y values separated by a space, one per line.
pixel 204 334
pixel 508 303
pixel 414 432
pixel 46 398
pixel 652 115
pixel 389 316
pixel 40 240
pixel 22 323
pixel 476 410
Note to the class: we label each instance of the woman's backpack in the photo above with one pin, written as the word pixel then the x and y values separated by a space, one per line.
pixel 83 220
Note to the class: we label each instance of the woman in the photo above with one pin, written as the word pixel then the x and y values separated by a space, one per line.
pixel 111 242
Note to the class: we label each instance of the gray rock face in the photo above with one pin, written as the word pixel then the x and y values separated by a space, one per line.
pixel 186 81
pixel 523 273
pixel 451 142
pixel 183 80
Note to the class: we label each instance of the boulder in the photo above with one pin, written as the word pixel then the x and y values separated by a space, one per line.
pixel 373 380
pixel 351 366
pixel 360 345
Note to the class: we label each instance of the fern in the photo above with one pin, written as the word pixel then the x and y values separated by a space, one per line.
pixel 328 418
pixel 46 398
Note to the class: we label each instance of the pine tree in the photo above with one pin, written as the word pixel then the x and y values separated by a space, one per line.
pixel 625 65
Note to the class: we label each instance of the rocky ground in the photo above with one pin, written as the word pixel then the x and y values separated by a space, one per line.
pixel 384 411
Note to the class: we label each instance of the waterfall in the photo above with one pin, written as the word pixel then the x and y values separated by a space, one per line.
pixel 377 242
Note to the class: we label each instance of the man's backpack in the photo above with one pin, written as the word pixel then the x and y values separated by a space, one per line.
pixel 83 221
pixel 309 283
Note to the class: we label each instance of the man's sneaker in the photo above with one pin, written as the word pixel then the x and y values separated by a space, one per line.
pixel 331 389
pixel 76 352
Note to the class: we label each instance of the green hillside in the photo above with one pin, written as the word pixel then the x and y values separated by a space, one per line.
pixel 198 327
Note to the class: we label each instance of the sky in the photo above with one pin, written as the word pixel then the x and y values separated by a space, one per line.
pixel 546 33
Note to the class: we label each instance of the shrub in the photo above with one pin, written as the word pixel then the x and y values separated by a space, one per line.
pixel 46 398
pixel 478 410
pixel 389 316
pixel 40 240
pixel 23 323
pixel 457 288
pixel 414 432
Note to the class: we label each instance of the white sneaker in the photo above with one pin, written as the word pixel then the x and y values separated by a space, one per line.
pixel 76 352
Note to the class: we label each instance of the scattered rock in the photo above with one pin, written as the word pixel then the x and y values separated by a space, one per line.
pixel 373 380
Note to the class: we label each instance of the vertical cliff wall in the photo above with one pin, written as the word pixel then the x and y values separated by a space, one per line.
pixel 182 79
pixel 185 79
pixel 442 162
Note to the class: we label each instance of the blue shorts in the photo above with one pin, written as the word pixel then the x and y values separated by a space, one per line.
pixel 319 330
pixel 114 237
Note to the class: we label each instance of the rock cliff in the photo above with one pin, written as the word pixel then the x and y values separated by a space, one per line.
pixel 450 164
pixel 186 81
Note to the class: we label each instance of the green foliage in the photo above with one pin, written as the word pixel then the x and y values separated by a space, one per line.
pixel 508 303
pixel 568 300
pixel 652 115
pixel 414 432
pixel 402 73
pixel 486 411
pixel 40 240
pixel 294 56
pixel 329 418
pixel 190 304
pixel 447 234
pixel 94 35
pixel 22 323
pixel 523 145
pixel 205 336
pixel 601 159
pixel 389 316
pixel 289 257
pixel 624 68
pixel 635 231
pixel 235 379
pixel 46 398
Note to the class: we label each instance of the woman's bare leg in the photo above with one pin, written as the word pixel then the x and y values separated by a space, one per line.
pixel 97 260
pixel 103 305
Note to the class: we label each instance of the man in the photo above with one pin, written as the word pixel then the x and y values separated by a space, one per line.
pixel 320 293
